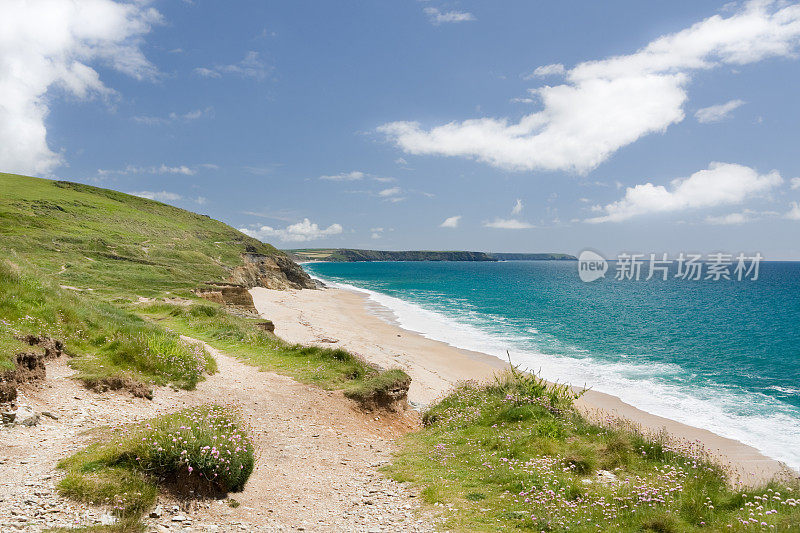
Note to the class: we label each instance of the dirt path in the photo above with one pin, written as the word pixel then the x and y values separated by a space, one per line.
pixel 317 467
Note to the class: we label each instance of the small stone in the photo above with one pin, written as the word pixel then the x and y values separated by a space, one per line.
pixel 178 518
pixel 8 417
pixel 107 519
pixel 48 414
pixel 157 512
pixel 26 416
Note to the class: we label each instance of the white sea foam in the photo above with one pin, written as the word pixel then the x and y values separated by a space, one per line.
pixel 759 420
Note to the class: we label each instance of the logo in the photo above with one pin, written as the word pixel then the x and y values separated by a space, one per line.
pixel 591 266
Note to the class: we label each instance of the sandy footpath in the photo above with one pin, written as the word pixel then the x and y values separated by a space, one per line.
pixel 317 464
pixel 347 319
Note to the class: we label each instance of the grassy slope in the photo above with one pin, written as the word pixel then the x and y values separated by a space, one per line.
pixel 110 341
pixel 113 242
pixel 516 456
pixel 123 247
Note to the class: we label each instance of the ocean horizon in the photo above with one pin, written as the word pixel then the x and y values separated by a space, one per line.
pixel 721 355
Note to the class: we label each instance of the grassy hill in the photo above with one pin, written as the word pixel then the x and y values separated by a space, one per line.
pixel 112 242
pixel 75 261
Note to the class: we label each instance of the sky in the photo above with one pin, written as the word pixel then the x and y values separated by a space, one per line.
pixel 519 126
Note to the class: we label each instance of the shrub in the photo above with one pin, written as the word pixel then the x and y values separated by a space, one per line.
pixel 206 445
pixel 203 449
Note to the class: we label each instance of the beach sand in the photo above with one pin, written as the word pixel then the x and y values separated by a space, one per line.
pixel 349 320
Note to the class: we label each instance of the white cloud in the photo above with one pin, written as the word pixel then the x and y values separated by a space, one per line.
pixel 345 176
pixel 160 196
pixel 610 103
pixel 451 222
pixel 442 17
pixel 300 232
pixel 250 67
pixel 556 69
pixel 386 193
pixel 173 117
pixel 507 223
pixel 518 206
pixel 47 44
pixel 162 169
pixel 719 184
pixel 717 113
pixel 795 183
pixel 731 219
pixel 794 212
pixel 377 233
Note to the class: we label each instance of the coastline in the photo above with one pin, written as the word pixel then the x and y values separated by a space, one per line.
pixel 335 317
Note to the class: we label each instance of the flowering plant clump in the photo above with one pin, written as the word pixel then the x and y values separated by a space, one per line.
pixel 205 444
pixel 516 454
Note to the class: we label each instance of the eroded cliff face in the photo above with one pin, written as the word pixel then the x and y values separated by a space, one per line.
pixel 270 271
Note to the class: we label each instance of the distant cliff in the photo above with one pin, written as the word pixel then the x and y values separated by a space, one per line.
pixel 533 257
pixel 349 255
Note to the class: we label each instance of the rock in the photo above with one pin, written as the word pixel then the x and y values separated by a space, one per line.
pixel 273 272
pixel 606 477
pixel 107 519
pixel 26 416
pixel 157 512
pixel 8 392
pixel 8 417
pixel 267 325
pixel 179 518
pixel 48 414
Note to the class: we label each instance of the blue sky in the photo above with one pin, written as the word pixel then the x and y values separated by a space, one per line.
pixel 516 126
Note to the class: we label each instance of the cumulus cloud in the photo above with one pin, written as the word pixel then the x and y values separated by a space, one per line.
pixel 556 69
pixel 717 113
pixel 610 103
pixel 510 223
pixel 48 44
pixel 250 67
pixel 392 191
pixel 344 176
pixel 451 222
pixel 437 17
pixel 719 184
pixel 300 232
pixel 794 212
pixel 795 183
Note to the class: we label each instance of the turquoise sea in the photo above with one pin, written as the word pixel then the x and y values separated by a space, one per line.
pixel 721 355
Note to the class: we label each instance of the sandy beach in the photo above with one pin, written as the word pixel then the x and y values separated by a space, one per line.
pixel 347 319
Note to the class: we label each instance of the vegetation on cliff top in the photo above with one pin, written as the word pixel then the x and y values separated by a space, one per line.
pixel 516 455
pixel 113 348
pixel 112 242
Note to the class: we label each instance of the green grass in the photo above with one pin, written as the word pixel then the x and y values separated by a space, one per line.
pixel 324 367
pixel 205 449
pixel 113 242
pixel 515 455
pixel 110 345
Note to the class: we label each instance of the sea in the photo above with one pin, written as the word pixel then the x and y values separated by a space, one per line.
pixel 719 354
